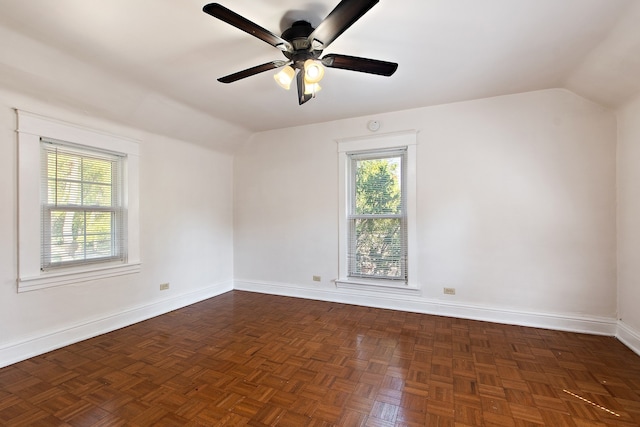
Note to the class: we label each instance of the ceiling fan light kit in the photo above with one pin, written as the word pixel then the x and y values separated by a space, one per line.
pixel 312 89
pixel 313 71
pixel 285 77
pixel 302 45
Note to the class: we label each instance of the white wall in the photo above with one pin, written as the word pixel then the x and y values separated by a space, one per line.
pixel 628 223
pixel 186 224
pixel 516 210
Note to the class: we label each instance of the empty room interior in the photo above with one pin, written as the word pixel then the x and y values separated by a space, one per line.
pixel 198 231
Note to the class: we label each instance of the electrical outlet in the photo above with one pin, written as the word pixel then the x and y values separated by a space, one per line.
pixel 316 278
pixel 164 286
pixel 449 291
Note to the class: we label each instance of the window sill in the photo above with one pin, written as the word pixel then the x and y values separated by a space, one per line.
pixel 376 285
pixel 52 279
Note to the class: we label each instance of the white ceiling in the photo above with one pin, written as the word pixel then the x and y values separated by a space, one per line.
pixel 154 63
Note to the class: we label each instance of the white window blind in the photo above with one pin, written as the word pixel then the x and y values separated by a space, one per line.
pixel 83 218
pixel 377 215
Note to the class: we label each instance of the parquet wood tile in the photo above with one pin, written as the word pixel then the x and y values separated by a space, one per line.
pixel 246 359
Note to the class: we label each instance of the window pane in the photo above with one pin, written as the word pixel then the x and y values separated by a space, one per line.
pixel 64 192
pixel 97 177
pixel 78 181
pixel 64 166
pixel 378 247
pixel 81 235
pixel 96 170
pixel 378 186
pixel 67 236
pixel 96 195
pixel 99 241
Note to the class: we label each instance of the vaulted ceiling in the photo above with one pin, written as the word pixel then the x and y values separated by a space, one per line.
pixel 153 64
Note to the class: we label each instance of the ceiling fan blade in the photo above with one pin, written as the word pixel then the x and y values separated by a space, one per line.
pixel 364 65
pixel 252 71
pixel 302 96
pixel 222 13
pixel 341 17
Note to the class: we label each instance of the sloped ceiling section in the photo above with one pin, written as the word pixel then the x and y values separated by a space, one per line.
pixel 153 64
pixel 43 72
pixel 610 73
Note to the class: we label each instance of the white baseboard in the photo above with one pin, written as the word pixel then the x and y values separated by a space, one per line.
pixel 629 337
pixel 25 349
pixel 571 323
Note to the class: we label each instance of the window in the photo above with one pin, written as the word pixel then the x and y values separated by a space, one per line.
pixel 377 204
pixel 78 193
pixel 377 215
pixel 82 212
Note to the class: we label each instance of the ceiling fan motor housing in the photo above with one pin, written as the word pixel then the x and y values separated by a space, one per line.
pixel 298 35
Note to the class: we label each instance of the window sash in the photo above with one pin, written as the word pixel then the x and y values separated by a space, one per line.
pixel 83 219
pixel 382 258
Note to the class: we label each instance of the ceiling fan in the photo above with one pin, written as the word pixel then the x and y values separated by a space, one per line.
pixel 302 45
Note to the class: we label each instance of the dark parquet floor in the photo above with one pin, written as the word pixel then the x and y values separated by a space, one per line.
pixel 247 359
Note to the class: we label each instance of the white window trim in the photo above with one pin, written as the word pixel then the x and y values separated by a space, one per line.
pixel 408 139
pixel 32 127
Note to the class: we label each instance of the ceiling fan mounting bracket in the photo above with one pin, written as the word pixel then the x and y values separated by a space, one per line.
pixel 298 30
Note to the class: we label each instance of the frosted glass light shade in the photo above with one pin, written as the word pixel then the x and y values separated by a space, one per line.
pixel 313 71
pixel 311 88
pixel 285 77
